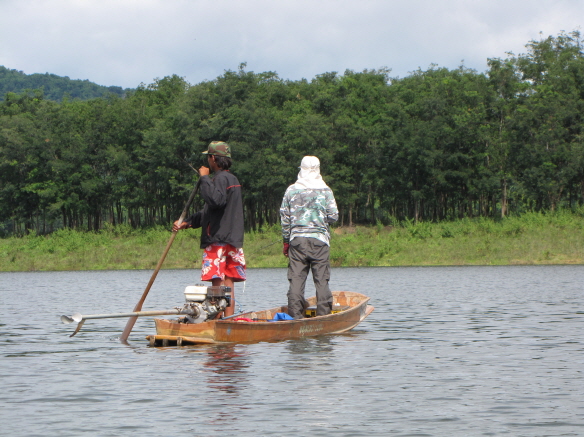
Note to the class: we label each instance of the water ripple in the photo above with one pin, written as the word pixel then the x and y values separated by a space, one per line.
pixel 447 351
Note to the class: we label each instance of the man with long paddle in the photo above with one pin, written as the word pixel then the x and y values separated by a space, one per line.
pixel 222 233
pixel 221 221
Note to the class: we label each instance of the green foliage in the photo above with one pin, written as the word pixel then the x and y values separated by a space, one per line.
pixel 535 238
pixel 54 87
pixel 432 147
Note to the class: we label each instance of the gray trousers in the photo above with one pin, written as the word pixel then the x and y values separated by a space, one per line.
pixel 308 254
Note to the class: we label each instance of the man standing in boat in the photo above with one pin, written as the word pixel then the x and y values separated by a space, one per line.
pixel 307 210
pixel 221 220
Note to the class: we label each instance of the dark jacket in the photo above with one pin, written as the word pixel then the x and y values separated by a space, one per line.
pixel 221 219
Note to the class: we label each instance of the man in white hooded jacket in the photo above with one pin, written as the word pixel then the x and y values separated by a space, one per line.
pixel 307 210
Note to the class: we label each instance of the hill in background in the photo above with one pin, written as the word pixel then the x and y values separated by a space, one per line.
pixel 54 87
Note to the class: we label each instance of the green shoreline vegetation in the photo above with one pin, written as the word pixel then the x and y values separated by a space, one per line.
pixel 532 239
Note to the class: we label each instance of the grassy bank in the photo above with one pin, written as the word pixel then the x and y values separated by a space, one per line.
pixel 556 238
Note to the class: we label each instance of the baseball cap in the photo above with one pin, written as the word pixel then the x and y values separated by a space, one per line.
pixel 219 148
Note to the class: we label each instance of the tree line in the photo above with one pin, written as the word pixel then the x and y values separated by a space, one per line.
pixel 436 145
pixel 54 87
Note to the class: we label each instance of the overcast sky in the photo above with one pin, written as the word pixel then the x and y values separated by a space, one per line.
pixel 128 42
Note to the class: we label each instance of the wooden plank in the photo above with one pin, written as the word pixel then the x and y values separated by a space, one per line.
pixel 172 339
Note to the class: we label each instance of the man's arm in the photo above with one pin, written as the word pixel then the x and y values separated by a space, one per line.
pixel 332 212
pixel 193 221
pixel 214 191
pixel 286 223
pixel 285 218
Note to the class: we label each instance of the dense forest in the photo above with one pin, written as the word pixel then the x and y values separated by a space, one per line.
pixel 53 87
pixel 436 145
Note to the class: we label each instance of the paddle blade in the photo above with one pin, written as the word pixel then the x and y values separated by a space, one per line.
pixel 66 319
pixel 70 319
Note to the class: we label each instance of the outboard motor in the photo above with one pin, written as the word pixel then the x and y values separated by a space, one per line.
pixel 205 302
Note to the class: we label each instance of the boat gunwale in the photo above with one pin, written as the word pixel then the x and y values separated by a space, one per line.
pixel 213 329
pixel 364 300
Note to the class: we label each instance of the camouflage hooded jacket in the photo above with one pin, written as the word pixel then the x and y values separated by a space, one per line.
pixel 307 212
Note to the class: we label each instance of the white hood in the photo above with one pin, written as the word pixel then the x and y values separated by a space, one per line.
pixel 309 174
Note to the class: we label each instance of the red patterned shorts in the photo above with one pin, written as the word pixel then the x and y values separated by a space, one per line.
pixel 222 260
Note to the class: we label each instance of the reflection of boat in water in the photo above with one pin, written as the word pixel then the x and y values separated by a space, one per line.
pixel 349 309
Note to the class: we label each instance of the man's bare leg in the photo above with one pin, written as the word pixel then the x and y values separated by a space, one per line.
pixel 228 282
pixel 231 308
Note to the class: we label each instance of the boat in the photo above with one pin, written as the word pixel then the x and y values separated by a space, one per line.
pixel 349 309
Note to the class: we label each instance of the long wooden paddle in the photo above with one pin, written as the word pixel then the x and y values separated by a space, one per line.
pixel 138 307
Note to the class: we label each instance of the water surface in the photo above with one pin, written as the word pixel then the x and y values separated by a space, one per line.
pixel 457 351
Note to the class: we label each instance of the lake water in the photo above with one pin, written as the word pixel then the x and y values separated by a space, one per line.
pixel 448 351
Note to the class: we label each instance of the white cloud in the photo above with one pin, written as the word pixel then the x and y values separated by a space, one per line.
pixel 126 42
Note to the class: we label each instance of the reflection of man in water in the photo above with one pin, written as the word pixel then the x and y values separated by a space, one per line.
pixel 229 364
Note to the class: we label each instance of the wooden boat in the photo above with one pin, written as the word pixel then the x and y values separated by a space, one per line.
pixel 349 309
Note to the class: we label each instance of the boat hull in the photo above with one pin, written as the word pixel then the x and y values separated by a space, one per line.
pixel 262 328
